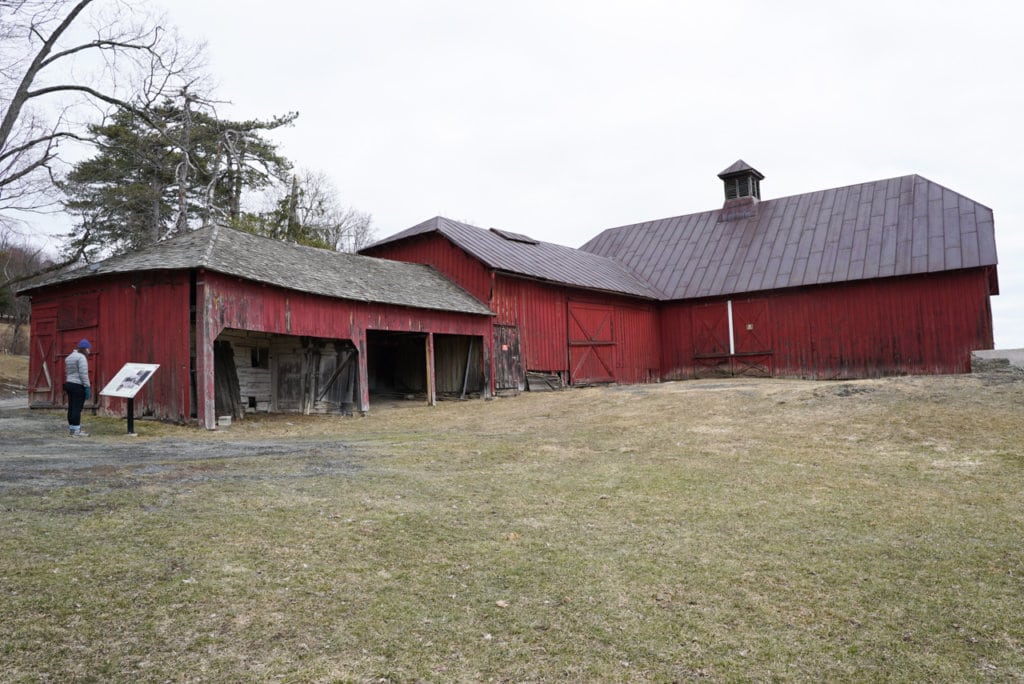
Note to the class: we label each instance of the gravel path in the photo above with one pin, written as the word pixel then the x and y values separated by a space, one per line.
pixel 37 452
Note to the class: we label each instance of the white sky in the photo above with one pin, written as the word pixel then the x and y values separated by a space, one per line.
pixel 561 118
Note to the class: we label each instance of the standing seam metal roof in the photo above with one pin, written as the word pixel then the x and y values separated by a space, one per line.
pixel 893 227
pixel 520 255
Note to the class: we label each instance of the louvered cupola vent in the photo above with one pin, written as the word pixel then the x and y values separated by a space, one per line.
pixel 742 191
pixel 742 186
pixel 741 180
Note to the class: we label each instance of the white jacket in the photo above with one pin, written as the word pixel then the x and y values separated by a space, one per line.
pixel 76 368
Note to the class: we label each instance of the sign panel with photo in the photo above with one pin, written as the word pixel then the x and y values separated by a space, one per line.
pixel 129 380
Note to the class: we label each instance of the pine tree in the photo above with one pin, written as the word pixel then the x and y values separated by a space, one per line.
pixel 175 169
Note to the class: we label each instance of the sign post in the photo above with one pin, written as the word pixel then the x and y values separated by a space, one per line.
pixel 127 383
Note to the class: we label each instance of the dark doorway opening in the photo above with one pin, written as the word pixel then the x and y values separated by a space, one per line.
pixel 396 365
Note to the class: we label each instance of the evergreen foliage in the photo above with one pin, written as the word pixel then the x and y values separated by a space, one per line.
pixel 172 170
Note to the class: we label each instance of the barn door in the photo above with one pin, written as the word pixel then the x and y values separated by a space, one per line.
pixel 44 384
pixel 508 360
pixel 752 336
pixel 288 381
pixel 591 343
pixel 732 338
pixel 711 340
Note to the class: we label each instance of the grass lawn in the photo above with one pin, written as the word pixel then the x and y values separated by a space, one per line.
pixel 713 530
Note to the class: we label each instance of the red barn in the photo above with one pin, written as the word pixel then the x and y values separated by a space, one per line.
pixel 881 278
pixel 888 277
pixel 558 311
pixel 241 323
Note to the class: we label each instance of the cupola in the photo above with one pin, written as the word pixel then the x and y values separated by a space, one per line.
pixel 742 191
pixel 741 180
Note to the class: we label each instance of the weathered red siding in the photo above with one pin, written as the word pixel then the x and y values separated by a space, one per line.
pixel 917 324
pixel 638 349
pixel 234 303
pixel 437 251
pixel 142 318
pixel 246 305
pixel 540 310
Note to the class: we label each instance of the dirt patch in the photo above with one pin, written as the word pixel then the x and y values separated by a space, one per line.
pixel 39 454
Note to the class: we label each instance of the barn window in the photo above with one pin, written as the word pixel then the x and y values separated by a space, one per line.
pixel 260 357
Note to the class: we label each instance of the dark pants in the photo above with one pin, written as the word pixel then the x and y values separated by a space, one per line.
pixel 76 400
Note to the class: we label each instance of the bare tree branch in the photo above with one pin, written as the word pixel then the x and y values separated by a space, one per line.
pixel 141 62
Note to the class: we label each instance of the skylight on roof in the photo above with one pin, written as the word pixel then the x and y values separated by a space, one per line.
pixel 515 237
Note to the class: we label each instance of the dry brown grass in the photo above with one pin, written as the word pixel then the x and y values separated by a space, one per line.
pixel 7 342
pixel 13 374
pixel 718 530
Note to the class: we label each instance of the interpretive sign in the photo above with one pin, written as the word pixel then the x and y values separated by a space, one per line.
pixel 129 380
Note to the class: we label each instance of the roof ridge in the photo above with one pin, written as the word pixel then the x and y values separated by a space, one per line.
pixel 776 199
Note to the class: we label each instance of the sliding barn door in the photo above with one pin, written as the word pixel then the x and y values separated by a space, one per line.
pixel 591 343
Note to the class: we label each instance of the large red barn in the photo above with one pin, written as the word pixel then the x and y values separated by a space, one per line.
pixel 886 277
pixel 881 278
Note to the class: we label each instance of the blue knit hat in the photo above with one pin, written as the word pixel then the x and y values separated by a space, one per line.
pixel 84 344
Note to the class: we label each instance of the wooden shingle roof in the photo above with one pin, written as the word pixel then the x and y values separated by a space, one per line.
pixel 294 267
pixel 900 226
pixel 524 256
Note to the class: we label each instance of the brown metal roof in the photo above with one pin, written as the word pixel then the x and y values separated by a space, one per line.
pixel 291 266
pixel 522 255
pixel 900 226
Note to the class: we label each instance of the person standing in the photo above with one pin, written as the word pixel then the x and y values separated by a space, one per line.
pixel 76 377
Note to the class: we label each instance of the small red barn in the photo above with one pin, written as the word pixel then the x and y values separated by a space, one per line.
pixel 880 278
pixel 558 311
pixel 241 323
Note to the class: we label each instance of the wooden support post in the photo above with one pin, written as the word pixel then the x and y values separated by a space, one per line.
pixel 465 375
pixel 431 375
pixel 364 376
pixel 206 409
pixel 487 363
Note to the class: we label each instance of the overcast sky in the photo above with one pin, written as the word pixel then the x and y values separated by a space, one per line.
pixel 559 119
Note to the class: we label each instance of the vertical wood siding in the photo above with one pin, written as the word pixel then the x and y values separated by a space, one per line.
pixel 437 251
pixel 145 318
pixel 540 310
pixel 638 349
pixel 916 324
pixel 141 318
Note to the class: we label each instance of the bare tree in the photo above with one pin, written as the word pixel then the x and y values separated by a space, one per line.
pixel 317 207
pixel 53 73
pixel 18 261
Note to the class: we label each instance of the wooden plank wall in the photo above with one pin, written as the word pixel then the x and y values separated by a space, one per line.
pixel 253 381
